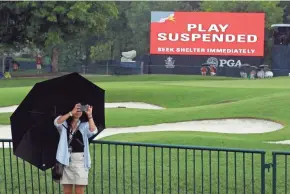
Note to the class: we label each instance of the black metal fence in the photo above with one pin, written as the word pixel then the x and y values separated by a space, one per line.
pixel 280 178
pixel 119 167
pixel 145 69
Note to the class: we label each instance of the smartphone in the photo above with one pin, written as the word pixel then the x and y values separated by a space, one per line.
pixel 84 108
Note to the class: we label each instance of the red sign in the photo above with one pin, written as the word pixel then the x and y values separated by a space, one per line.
pixel 207 33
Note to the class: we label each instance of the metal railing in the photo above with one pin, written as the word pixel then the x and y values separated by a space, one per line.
pixel 280 176
pixel 119 167
pixel 143 69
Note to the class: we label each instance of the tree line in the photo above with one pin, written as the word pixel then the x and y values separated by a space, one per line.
pixel 75 32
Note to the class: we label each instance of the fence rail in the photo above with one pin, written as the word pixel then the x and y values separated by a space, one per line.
pixel 280 172
pixel 121 167
pixel 112 69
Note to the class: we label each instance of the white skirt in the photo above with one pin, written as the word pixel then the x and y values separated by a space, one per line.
pixel 75 173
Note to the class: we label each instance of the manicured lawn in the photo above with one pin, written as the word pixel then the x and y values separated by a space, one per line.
pixel 20 82
pixel 186 98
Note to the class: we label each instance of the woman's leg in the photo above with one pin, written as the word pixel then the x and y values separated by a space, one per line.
pixel 79 189
pixel 68 189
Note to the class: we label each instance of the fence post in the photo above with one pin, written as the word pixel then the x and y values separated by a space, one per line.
pixel 107 68
pixel 274 171
pixel 263 173
pixel 3 63
pixel 142 64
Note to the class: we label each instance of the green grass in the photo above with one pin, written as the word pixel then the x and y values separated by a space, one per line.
pixel 186 98
pixel 20 82
pixel 280 82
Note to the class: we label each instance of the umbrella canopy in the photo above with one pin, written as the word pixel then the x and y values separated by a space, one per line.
pixel 35 138
pixel 245 66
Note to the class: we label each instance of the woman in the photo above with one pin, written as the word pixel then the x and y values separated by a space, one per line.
pixel 73 148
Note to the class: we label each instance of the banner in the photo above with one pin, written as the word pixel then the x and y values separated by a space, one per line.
pixel 207 33
pixel 191 65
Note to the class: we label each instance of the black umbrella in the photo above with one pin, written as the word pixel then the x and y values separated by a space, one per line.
pixel 263 67
pixel 35 138
pixel 245 67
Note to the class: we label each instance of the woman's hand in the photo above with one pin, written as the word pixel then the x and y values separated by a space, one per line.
pixel 76 109
pixel 92 125
pixel 89 112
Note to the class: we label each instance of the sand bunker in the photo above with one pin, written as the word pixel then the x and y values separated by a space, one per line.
pixel 138 105
pixel 227 126
pixel 285 142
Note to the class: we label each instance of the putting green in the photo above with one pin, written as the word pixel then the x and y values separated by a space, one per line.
pixel 185 98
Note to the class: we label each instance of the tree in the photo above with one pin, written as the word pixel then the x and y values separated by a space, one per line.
pixel 12 20
pixel 131 30
pixel 139 15
pixel 49 23
pixel 272 10
pixel 286 10
pixel 12 29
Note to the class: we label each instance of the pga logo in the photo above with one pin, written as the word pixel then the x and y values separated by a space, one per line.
pixel 222 62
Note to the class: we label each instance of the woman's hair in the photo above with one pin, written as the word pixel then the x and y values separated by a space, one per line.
pixel 82 119
pixel 70 119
